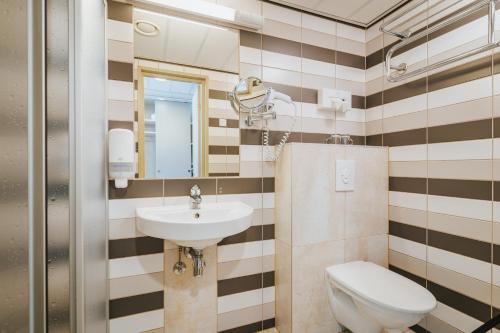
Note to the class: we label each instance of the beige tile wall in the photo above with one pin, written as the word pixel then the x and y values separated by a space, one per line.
pixel 317 227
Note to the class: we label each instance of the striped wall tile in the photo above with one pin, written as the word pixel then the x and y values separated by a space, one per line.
pixel 135 285
pixel 135 265
pixel 243 267
pixel 125 208
pixel 285 15
pixel 409 264
pixel 120 66
pixel 318 68
pixel 460 226
pixel 408 200
pixel 245 261
pixel 408 232
pixel 296 54
pixel 469 208
pixel 246 250
pixel 241 300
pixel 137 246
pixel 441 233
pixel 446 147
pixel 245 283
pixel 465 265
pixel 461 169
pixel 319 24
pixel 461 284
pixel 280 29
pixel 140 322
pixel 407 247
pixel 469 306
pixel 250 319
pixel 119 31
pixel 460 112
pixel 456 318
pixel 434 324
pixel 461 150
pixel 415 278
pixel 120 51
pixel 126 306
pixel 415 217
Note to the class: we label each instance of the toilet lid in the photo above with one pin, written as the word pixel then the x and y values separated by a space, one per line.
pixel 381 286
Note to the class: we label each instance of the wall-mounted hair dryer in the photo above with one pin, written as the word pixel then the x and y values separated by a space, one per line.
pixel 252 97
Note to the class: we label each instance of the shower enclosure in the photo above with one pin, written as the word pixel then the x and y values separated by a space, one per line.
pixel 52 166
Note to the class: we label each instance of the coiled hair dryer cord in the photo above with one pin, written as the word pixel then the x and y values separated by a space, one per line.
pixel 269 155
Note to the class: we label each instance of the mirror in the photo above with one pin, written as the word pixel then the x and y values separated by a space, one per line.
pixel 177 60
pixel 173 123
pixel 250 94
pixel 177 40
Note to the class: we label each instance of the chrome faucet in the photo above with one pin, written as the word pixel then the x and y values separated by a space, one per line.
pixel 195 197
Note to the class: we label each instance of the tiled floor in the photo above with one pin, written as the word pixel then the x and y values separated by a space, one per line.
pixel 274 330
pixel 347 331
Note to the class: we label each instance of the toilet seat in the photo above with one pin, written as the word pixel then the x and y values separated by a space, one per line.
pixel 380 286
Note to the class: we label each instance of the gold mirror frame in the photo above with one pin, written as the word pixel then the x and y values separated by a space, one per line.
pixel 202 80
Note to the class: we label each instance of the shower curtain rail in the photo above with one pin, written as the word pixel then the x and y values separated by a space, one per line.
pixel 419 8
pixel 396 73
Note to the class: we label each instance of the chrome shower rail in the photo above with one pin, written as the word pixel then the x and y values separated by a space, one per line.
pixel 405 33
pixel 415 10
pixel 395 73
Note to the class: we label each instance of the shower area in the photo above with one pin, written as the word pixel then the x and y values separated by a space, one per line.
pixel 52 187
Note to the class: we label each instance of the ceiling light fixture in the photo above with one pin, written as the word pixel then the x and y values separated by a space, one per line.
pixel 170 17
pixel 201 8
pixel 210 11
pixel 146 28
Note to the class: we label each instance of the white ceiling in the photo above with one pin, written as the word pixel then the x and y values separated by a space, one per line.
pixel 187 42
pixel 170 90
pixel 360 12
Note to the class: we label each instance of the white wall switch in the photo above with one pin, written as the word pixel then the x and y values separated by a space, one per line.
pixel 222 122
pixel 345 173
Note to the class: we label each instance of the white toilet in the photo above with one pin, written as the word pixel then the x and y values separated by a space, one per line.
pixel 367 298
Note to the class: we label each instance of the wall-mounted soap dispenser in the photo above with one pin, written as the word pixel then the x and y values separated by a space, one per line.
pixel 121 156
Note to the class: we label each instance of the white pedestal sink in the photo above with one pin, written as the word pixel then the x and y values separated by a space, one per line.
pixel 195 228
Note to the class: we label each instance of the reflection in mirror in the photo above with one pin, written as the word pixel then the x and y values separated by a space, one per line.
pixel 172 125
pixel 187 52
pixel 177 40
pixel 251 93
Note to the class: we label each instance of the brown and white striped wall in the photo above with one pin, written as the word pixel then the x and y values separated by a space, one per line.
pixel 296 53
pixel 442 129
pixel 120 38
pixel 237 288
